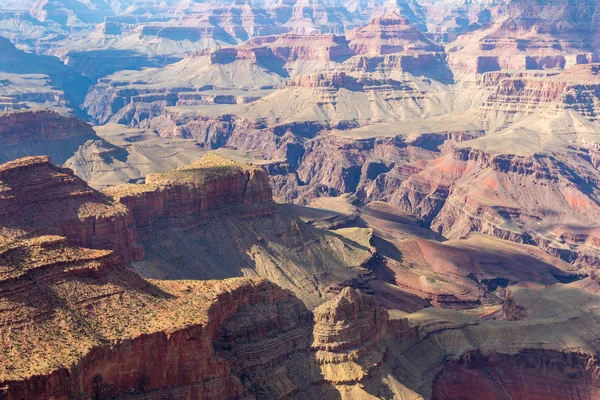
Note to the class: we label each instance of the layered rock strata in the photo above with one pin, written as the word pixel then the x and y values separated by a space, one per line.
pixel 472 190
pixel 39 198
pixel 43 132
pixel 96 330
pixel 209 184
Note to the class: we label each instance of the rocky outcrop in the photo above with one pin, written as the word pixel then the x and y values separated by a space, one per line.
pixel 226 209
pixel 526 199
pixel 342 80
pixel 389 34
pixel 37 81
pixel 527 374
pixel 348 336
pixel 531 35
pixel 44 132
pixel 212 183
pixel 176 345
pixel 432 65
pixel 39 198
pixel 574 89
pixel 294 47
pixel 214 204
pixel 241 338
pixel 28 126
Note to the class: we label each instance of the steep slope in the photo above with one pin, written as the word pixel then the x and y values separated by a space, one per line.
pixel 39 198
pixel 531 35
pixel 133 97
pixel 217 205
pixel 387 35
pixel 97 330
pixel 545 199
pixel 334 98
pixel 42 132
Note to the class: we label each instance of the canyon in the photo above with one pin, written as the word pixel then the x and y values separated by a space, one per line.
pixel 299 199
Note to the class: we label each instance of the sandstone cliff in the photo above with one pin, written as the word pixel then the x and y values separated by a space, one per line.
pixel 39 198
pixel 209 184
pixel 43 132
pixel 389 34
pixel 97 331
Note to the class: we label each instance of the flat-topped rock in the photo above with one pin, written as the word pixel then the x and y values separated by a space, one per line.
pixel 211 183
pixel 389 34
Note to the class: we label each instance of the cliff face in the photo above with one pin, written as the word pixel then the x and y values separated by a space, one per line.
pixel 292 47
pixel 92 329
pixel 511 197
pixel 82 343
pixel 575 89
pixel 22 127
pixel 348 337
pixel 39 198
pixel 43 132
pixel 532 374
pixel 207 185
pixel 75 323
pixel 225 209
pixel 389 34
pixel 216 206
pixel 531 35
pixel 231 339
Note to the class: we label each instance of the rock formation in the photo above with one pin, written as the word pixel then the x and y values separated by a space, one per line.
pixel 574 89
pixel 218 205
pixel 511 198
pixel 97 330
pixel 43 132
pixel 171 216
pixel 348 336
pixel 30 80
pixel 541 374
pixel 93 329
pixel 531 35
pixel 387 35
pixel 439 164
pixel 209 184
pixel 39 198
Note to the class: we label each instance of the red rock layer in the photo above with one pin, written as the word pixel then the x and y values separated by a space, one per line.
pixel 511 197
pixel 576 89
pixel 179 364
pixel 293 47
pixel 532 34
pixel 32 126
pixel 38 198
pixel 529 374
pixel 351 320
pixel 340 80
pixel 389 34
pixel 196 189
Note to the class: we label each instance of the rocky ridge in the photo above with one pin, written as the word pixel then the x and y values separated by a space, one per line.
pixel 39 198
pixel 43 132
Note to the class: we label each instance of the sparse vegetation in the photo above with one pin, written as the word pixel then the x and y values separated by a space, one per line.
pixel 211 166
pixel 71 308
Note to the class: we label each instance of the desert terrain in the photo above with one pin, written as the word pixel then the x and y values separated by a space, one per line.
pixel 299 199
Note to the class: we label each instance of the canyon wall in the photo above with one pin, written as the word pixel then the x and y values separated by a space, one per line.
pixel 209 184
pixel 39 198
pixel 43 132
